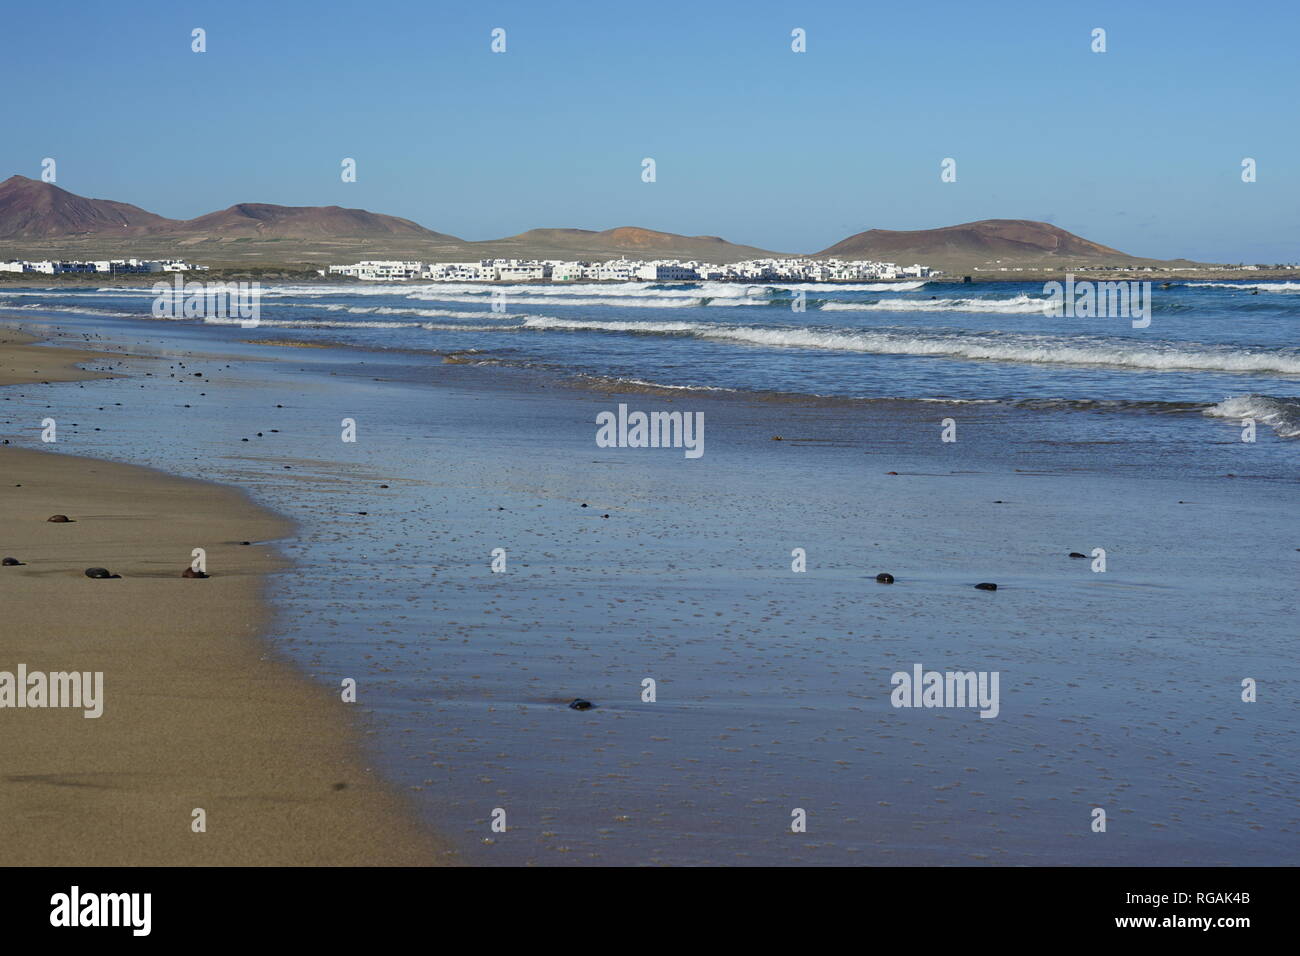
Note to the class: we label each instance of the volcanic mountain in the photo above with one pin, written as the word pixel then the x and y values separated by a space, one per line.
pixel 31 209
pixel 264 221
pixel 39 220
pixel 623 241
pixel 987 243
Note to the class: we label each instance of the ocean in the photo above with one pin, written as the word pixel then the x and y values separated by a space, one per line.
pixel 1212 350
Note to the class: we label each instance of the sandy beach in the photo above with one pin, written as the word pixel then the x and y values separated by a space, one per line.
pixel 196 712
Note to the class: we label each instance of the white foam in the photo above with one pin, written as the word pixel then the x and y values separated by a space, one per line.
pixel 1021 304
pixel 72 310
pixel 988 346
pixel 1263 286
pixel 1281 414
pixel 513 299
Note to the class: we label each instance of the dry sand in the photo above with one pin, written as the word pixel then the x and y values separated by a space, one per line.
pixel 197 713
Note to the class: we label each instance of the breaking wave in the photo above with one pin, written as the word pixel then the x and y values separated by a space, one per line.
pixel 984 346
pixel 1262 286
pixel 1281 414
pixel 1021 304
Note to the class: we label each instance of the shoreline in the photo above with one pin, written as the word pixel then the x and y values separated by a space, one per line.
pixel 197 710
pixel 467 671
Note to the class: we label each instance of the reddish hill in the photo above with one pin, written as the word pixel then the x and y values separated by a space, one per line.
pixel 1010 241
pixel 266 221
pixel 32 209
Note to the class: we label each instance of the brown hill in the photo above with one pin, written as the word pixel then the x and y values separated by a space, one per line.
pixel 32 209
pixel 989 243
pixel 265 221
pixel 39 220
pixel 609 243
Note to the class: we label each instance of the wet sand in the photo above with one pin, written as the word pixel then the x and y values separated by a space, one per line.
pixel 197 714
pixel 23 362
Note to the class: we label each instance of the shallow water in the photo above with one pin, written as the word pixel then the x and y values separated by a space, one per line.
pixel 1119 689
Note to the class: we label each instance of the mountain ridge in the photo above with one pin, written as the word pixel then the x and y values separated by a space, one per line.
pixel 52 221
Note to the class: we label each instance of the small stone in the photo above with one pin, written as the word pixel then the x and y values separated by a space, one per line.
pixel 191 573
pixel 579 704
pixel 11 563
pixel 1076 554
pixel 59 519
pixel 986 586
pixel 885 578
pixel 100 573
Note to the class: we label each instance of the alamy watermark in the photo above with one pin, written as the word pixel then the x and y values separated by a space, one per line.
pixel 83 690
pixel 651 430
pixel 922 688
pixel 1086 299
pixel 210 301
pixel 76 908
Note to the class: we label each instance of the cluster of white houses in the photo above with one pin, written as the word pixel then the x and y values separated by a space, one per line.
pixel 627 270
pixel 113 266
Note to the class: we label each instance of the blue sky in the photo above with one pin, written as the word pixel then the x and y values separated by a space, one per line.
pixel 1139 147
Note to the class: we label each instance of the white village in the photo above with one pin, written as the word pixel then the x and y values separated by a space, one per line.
pixel 630 270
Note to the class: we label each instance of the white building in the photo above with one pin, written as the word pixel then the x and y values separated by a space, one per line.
pixel 381 270
pixel 667 272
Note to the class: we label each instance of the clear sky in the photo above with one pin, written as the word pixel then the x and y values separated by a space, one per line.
pixel 1139 147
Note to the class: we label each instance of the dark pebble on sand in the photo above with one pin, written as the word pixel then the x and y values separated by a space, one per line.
pixel 59 519
pixel 885 578
pixel 11 563
pixel 987 586
pixel 579 704
pixel 100 573
pixel 191 573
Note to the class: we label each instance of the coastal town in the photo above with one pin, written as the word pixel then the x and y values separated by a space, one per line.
pixel 631 270
pixel 101 266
